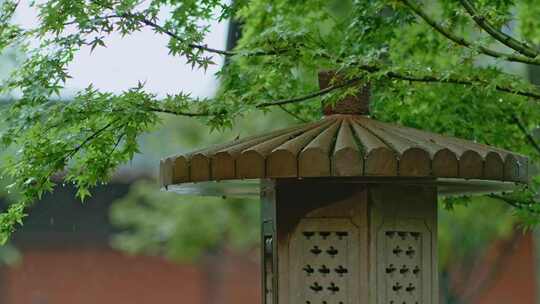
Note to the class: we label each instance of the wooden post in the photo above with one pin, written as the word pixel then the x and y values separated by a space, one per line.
pixel 339 241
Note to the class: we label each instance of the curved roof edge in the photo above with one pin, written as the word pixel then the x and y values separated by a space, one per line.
pixel 346 146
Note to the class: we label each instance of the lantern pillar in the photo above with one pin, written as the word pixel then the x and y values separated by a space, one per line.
pixel 332 240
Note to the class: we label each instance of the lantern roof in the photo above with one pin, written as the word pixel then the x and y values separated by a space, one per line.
pixel 346 145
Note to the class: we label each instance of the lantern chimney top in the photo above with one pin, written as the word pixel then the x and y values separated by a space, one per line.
pixel 355 104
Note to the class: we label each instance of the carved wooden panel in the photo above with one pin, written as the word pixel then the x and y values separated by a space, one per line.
pixel 404 271
pixel 324 257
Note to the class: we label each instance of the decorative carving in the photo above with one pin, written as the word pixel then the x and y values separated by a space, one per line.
pixel 315 250
pixel 401 253
pixel 324 253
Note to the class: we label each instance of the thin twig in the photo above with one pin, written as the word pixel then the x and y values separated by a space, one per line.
pixel 205 48
pixel 178 113
pixel 171 34
pixel 526 133
pixel 430 78
pixel 309 96
pixel 109 156
pixel 515 203
pixel 90 138
pixel 500 36
pixel 100 18
pixel 292 114
pixel 465 43
pixel 506 200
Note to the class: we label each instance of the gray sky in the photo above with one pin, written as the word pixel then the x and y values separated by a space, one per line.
pixel 142 56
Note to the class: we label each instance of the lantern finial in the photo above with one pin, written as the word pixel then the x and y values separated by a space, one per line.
pixel 357 104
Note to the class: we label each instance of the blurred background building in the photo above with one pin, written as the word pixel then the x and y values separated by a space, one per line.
pixel 66 258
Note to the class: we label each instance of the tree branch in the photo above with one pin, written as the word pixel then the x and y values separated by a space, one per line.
pixel 398 76
pixel 292 114
pixel 178 113
pixel 106 17
pixel 109 157
pixel 465 43
pixel 431 78
pixel 322 92
pixel 171 34
pixel 500 36
pixel 514 203
pixel 526 133
pixel 93 136
pixel 205 48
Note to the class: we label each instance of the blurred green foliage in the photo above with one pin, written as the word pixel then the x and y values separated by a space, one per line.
pixel 183 228
pixel 467 230
pixel 9 254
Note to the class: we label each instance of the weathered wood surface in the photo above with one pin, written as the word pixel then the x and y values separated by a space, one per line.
pixel 403 218
pixel 332 207
pixel 345 145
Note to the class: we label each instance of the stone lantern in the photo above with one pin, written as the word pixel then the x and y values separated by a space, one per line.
pixel 349 204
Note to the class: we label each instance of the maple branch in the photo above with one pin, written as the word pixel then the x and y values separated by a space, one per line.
pixel 431 78
pixel 398 76
pixel 515 203
pixel 178 113
pixel 322 92
pixel 100 18
pixel 465 43
pixel 118 141
pixel 500 36
pixel 175 36
pixel 526 133
pixel 90 138
pixel 171 34
pixel 205 48
pixel 292 114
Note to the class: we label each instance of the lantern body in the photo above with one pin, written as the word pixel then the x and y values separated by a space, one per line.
pixel 328 241
pixel 349 203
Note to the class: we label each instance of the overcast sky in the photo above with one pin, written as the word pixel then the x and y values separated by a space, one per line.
pixel 143 57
